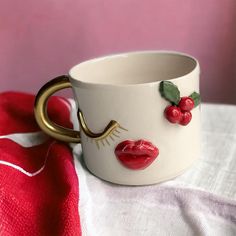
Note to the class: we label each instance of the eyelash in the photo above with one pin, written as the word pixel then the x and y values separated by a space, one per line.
pixel 111 131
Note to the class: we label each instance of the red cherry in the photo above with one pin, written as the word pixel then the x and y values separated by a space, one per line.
pixel 186 118
pixel 173 114
pixel 186 104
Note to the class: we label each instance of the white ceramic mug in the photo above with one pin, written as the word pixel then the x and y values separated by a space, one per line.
pixel 127 134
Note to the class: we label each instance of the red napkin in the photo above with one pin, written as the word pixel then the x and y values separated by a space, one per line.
pixel 38 183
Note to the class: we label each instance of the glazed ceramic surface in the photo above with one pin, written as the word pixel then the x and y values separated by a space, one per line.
pixel 125 88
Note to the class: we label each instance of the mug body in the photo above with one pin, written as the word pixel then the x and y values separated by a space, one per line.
pixel 126 88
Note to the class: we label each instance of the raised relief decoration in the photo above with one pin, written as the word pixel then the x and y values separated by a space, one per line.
pixel 179 111
pixel 136 155
pixel 112 131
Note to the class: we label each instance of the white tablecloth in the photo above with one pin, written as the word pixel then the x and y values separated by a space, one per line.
pixel 202 201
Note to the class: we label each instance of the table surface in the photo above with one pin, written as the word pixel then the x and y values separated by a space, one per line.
pixel 109 209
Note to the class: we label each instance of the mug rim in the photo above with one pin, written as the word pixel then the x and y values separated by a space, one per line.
pixel 80 83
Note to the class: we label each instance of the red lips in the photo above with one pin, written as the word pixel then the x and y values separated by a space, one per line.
pixel 136 155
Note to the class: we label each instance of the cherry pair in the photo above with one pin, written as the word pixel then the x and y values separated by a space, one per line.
pixel 180 114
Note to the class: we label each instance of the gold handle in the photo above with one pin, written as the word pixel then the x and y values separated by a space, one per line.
pixel 40 111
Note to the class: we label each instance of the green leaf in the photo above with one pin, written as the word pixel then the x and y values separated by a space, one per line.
pixel 196 98
pixel 170 92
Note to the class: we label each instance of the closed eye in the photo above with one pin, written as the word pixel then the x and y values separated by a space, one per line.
pixel 111 131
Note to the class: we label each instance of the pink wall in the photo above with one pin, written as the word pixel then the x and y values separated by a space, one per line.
pixel 42 39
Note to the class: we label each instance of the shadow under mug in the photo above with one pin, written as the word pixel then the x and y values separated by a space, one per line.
pixel 127 135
